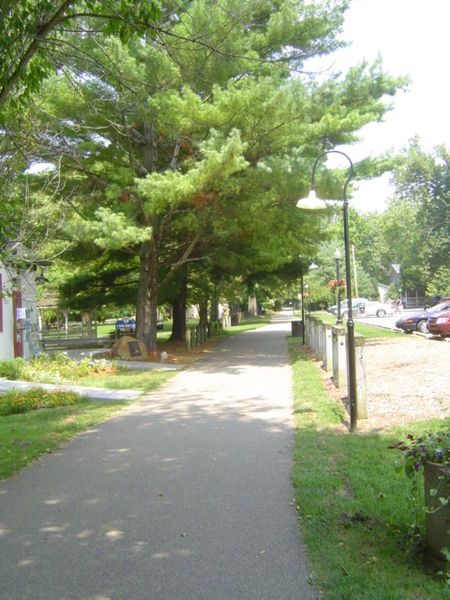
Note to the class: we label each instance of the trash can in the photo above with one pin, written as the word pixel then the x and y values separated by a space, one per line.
pixel 297 328
pixel 235 319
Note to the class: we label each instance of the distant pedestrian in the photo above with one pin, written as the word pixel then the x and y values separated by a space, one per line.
pixel 435 300
pixel 399 305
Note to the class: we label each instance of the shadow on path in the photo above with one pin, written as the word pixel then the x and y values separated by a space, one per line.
pixel 183 495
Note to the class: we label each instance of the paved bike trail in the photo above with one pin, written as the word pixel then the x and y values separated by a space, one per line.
pixel 185 494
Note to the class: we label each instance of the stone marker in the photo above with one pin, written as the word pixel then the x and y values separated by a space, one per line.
pixel 129 347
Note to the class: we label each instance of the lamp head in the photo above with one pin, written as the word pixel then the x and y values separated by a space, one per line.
pixel 312 202
pixel 337 254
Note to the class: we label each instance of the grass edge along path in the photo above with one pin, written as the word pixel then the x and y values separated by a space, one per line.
pixel 27 436
pixel 355 511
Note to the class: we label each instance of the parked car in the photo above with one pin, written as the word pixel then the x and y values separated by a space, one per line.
pixel 418 321
pixel 125 325
pixel 357 303
pixel 371 308
pixel 439 324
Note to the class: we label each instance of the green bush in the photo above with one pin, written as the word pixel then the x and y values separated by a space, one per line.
pixel 21 401
pixel 49 368
pixel 12 369
pixel 277 305
pixel 55 367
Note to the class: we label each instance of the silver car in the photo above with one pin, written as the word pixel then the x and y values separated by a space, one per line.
pixel 372 308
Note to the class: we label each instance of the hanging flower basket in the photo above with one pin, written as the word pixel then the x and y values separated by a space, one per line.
pixel 335 284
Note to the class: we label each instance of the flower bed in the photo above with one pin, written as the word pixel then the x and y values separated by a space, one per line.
pixel 51 368
pixel 22 401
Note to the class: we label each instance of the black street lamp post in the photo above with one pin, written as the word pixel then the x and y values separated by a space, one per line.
pixel 314 203
pixel 337 256
pixel 302 300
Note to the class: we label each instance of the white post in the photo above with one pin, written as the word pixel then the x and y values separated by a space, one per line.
pixel 339 356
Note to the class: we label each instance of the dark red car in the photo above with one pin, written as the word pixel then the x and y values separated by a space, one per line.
pixel 439 323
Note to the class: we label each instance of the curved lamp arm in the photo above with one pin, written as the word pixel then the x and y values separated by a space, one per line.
pixel 350 175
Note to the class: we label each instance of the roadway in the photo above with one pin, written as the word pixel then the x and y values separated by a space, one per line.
pixel 388 322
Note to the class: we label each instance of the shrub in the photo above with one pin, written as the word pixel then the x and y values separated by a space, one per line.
pixel 21 401
pixel 12 369
pixel 55 367
pixel 417 451
pixel 50 368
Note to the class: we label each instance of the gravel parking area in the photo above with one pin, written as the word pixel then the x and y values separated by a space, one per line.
pixel 407 380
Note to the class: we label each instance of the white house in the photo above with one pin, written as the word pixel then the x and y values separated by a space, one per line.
pixel 19 324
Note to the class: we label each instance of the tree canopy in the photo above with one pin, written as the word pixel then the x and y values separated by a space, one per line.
pixel 34 40
pixel 420 213
pixel 195 142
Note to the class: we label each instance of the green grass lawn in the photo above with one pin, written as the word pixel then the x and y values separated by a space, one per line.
pixel 24 437
pixel 105 330
pixel 355 509
pixel 247 325
pixel 124 379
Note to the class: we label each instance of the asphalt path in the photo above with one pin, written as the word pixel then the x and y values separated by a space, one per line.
pixel 186 494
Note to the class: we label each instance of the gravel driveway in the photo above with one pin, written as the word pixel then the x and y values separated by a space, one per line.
pixel 407 380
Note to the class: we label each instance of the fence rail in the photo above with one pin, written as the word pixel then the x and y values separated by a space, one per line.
pixel 64 343
pixel 70 333
pixel 415 301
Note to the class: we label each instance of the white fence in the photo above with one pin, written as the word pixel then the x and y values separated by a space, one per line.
pixel 329 344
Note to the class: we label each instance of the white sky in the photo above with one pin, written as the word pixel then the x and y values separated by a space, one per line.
pixel 413 38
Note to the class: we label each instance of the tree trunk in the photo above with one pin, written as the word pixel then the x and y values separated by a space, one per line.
pixel 179 313
pixel 203 321
pixel 66 321
pixel 252 308
pixel 86 320
pixel 215 305
pixel 203 313
pixel 151 340
pixel 147 297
